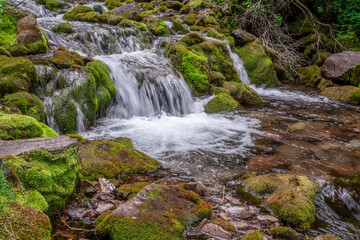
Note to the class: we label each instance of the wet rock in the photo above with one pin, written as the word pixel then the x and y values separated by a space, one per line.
pixel 98 9
pixel 261 163
pixel 242 37
pixel 216 231
pixel 344 67
pixel 224 216
pixel 130 11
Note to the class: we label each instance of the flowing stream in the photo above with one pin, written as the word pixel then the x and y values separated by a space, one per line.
pixel 154 107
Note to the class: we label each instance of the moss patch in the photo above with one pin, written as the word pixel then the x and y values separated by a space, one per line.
pixel 63 58
pixel 221 103
pixel 81 13
pixel 156 26
pixel 290 197
pixel 256 235
pixel 102 158
pixel 345 94
pixel 243 93
pixel 52 5
pixel 309 75
pixel 258 65
pixel 63 28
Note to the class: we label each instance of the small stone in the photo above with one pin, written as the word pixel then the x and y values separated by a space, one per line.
pixel 103 198
pixel 241 225
pixel 103 207
pixel 199 188
pixel 216 231
pixel 267 218
pixel 240 212
pixel 233 200
pixel 90 192
pixel 224 216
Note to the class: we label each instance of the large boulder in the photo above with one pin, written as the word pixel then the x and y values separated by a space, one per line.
pixel 130 11
pixel 345 94
pixel 291 197
pixel 258 65
pixel 242 37
pixel 16 74
pixel 343 67
pixel 156 26
pixel 49 166
pixel 156 212
pixel 111 159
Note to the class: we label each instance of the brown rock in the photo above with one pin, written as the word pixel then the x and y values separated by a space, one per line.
pixel 199 188
pixel 242 225
pixel 129 10
pixel 215 231
pixel 267 218
pixel 28 30
pixel 233 200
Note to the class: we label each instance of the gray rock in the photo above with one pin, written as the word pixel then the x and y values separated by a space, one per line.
pixel 267 218
pixel 53 145
pixel 239 212
pixel 337 65
pixel 103 207
pixel 215 231
pixel 130 11
pixel 242 37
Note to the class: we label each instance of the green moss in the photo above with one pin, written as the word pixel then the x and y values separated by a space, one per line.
pixel 172 5
pixel 65 113
pixel 63 28
pixel 221 103
pixel 192 38
pixel 309 75
pixel 81 13
pixel 156 26
pixel 129 191
pixel 23 222
pixel 162 8
pixel 148 6
pixel 7 29
pixel 5 52
pixel 17 126
pixel 77 136
pixel 63 58
pixel 165 215
pixel 52 5
pixel 131 23
pixel 217 90
pixel 302 25
pixel 28 103
pixel 111 4
pixel 16 74
pixel 52 175
pixel 258 65
pixel 352 76
pixel 256 235
pixel 243 93
pixel 346 94
pixel 191 18
pixel 284 232
pixel 227 226
pixel 292 197
pixel 213 33
pixel 112 159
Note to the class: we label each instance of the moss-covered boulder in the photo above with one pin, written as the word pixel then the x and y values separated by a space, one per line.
pixel 258 65
pixel 221 103
pixel 64 58
pixel 81 13
pixel 131 23
pixel 243 93
pixel 23 222
pixel 16 126
pixel 28 103
pixel 345 94
pixel 202 62
pixel 157 212
pixel 290 197
pixel 52 5
pixel 256 235
pixel 16 74
pixel 156 26
pixel 49 166
pixel 284 232
pixel 110 159
pixel 26 38
pixel 310 75
pixel 63 28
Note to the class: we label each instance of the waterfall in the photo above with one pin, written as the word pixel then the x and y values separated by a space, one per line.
pixel 239 65
pixel 147 85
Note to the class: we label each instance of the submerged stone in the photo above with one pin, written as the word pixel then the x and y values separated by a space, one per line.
pixel 290 197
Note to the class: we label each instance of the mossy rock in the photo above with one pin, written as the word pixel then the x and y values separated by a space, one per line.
pixel 128 191
pixel 5 52
pixel 7 28
pixel 102 158
pixel 290 197
pixel 191 19
pixel 65 112
pixel 217 90
pixel 23 222
pixel 221 103
pixel 243 93
pixel 352 183
pixel 165 215
pixel 284 232
pixel 63 28
pixel 17 74
pixel 81 13
pixel 156 26
pixel 256 235
pixel 310 75
pixel 111 4
pixel 54 176
pixel 345 94
pixel 52 5
pixel 213 33
pixel 28 103
pixel 131 23
pixel 258 65
pixel 15 126
pixel 63 58
pixel 192 38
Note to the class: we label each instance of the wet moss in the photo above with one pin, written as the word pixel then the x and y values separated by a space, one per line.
pixel 111 4
pixel 52 5
pixel 110 159
pixel 172 5
pixel 192 38
pixel 52 175
pixel 7 29
pixel 63 58
pixel 221 103
pixel 128 191
pixel 256 235
pixel 156 26
pixel 15 126
pixel 131 23
pixel 191 19
pixel 352 77
pixel 243 93
pixel 81 13
pixel 28 103
pixel 63 28
pixel 258 65
pixel 345 94
pixel 169 210
pixel 65 113
pixel 16 74
pixel 291 197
